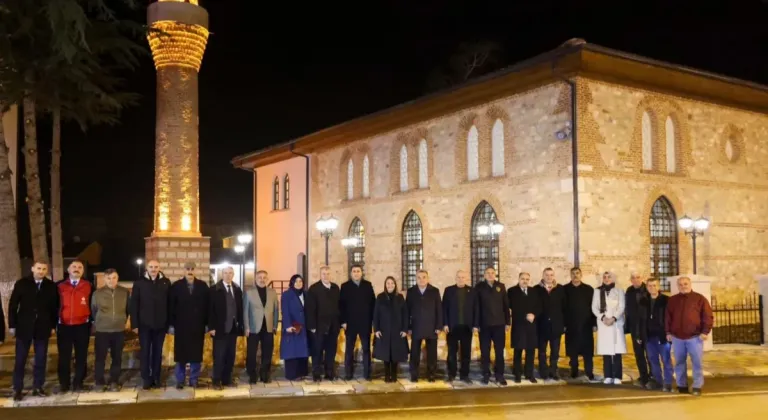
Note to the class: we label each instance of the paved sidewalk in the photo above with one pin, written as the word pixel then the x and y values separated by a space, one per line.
pixel 728 360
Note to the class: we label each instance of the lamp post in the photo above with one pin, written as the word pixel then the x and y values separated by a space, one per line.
pixel 139 262
pixel 243 240
pixel 240 250
pixel 326 226
pixel 694 229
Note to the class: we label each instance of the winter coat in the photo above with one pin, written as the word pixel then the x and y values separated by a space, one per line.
pixel 110 309
pixel 390 317
pixel 610 339
pixel 149 302
pixel 293 345
pixel 33 313
pixel 75 302
pixel 524 332
pixel 188 315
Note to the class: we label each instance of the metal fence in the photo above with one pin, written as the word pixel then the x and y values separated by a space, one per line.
pixel 738 323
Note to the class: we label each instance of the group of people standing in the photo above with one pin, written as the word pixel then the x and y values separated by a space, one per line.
pixel 312 318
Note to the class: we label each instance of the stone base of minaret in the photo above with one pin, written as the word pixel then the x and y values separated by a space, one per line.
pixel 174 252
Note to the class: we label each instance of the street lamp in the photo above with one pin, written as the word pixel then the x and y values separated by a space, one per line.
pixel 326 226
pixel 694 229
pixel 139 262
pixel 240 249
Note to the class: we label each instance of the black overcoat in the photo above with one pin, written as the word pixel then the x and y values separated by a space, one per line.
pixel 579 320
pixel 188 315
pixel 524 333
pixel 34 313
pixel 390 317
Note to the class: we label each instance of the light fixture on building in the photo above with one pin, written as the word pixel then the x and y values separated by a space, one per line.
pixel 244 238
pixel 565 132
pixel 349 242
pixel 139 262
pixel 492 228
pixel 240 250
pixel 326 226
pixel 694 229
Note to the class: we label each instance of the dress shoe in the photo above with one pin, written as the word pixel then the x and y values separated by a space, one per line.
pixel 431 379
pixel 591 377
pixel 179 386
pixel 502 381
pixel 349 377
pixel 667 388
pixel 266 380
pixel 39 392
pixel 146 387
pixel 414 379
pixel 555 377
pixel 330 377
pixel 451 378
pixel 77 388
pixel 18 396
pixel 217 387
pixel 682 390
pixel 485 380
pixel 467 381
pixel 253 380
pixel 517 379
pixel 696 392
pixel 533 380
pixel 114 387
pixel 574 374
pixel 316 378
pixel 63 389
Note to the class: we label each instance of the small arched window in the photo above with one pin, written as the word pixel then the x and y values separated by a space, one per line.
pixel 483 242
pixel 403 168
pixel 286 192
pixel 497 148
pixel 276 194
pixel 671 145
pixel 356 253
pixel 366 177
pixel 664 249
pixel 647 138
pixel 423 166
pixel 413 249
pixel 473 163
pixel 350 180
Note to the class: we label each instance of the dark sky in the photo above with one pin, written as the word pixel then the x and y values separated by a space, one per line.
pixel 272 73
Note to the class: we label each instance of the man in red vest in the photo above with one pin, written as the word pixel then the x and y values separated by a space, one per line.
pixel 74 329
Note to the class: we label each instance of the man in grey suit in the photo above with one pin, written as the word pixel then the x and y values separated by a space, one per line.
pixel 260 317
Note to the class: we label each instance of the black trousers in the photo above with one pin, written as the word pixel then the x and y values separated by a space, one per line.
pixel 612 367
pixel 267 340
pixel 41 359
pixel 224 347
pixel 324 353
pixel 349 352
pixel 518 361
pixel 415 359
pixel 459 340
pixel 69 337
pixel 151 342
pixel 588 365
pixel 641 358
pixel 553 341
pixel 112 342
pixel 497 334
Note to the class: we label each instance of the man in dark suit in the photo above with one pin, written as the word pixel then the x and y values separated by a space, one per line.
pixel 551 323
pixel 425 315
pixel 357 301
pixel 322 313
pixel 33 312
pixel 460 319
pixel 225 324
pixel 526 307
pixel 494 323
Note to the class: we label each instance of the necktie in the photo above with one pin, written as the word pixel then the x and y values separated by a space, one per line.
pixel 525 292
pixel 74 284
pixel 38 284
pixel 229 290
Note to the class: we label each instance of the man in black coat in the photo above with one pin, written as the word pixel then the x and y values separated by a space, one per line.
pixel 494 323
pixel 188 319
pixel 225 324
pixel 651 331
pixel 636 297
pixel 33 312
pixel 526 306
pixel 551 323
pixel 425 320
pixel 149 318
pixel 322 313
pixel 460 319
pixel 356 303
pixel 580 324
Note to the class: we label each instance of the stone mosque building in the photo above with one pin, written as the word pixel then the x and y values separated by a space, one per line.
pixel 580 156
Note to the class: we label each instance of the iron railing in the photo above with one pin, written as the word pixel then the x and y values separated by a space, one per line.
pixel 738 323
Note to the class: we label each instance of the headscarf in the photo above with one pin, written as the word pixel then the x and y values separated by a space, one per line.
pixel 299 292
pixel 605 289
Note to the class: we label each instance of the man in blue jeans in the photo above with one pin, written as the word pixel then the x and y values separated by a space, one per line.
pixel 688 322
pixel 652 334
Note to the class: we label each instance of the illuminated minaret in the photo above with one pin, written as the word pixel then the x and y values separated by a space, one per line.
pixel 177 37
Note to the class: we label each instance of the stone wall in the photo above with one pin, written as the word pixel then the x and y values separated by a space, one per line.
pixel 533 198
pixel 730 188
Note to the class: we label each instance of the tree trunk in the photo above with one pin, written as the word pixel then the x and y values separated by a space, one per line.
pixel 34 198
pixel 56 237
pixel 10 263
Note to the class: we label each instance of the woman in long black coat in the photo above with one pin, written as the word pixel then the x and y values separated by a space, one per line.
pixel 390 323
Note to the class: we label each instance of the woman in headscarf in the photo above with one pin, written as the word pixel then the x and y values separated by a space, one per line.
pixel 294 348
pixel 390 323
pixel 608 307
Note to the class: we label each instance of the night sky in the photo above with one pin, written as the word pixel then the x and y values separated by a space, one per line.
pixel 273 73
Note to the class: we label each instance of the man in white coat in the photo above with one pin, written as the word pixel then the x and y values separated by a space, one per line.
pixel 608 306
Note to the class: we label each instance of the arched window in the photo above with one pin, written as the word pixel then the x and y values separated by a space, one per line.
pixel 483 241
pixel 423 167
pixel 350 180
pixel 663 232
pixel 473 164
pixel 497 149
pixel 413 249
pixel 647 135
pixel 366 177
pixel 286 192
pixel 356 253
pixel 403 168
pixel 276 194
pixel 670 135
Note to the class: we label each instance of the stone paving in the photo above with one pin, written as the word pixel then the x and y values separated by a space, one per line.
pixel 726 360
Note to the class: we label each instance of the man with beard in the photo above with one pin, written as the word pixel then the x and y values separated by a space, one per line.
pixel 74 326
pixel 356 303
pixel 188 318
pixel 260 318
pixel 149 318
pixel 580 323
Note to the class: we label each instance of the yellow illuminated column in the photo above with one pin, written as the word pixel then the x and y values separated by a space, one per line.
pixel 178 35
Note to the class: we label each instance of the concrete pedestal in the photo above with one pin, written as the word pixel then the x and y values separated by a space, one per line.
pixel 174 252
pixel 762 287
pixel 701 285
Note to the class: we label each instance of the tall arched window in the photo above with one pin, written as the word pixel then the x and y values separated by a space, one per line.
pixel 423 167
pixel 473 163
pixel 497 148
pixel 286 192
pixel 350 180
pixel 366 177
pixel 670 137
pixel 413 249
pixel 664 250
pixel 483 242
pixel 647 137
pixel 276 194
pixel 356 253
pixel 403 168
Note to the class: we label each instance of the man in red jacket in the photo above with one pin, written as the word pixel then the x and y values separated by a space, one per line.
pixel 74 329
pixel 688 322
